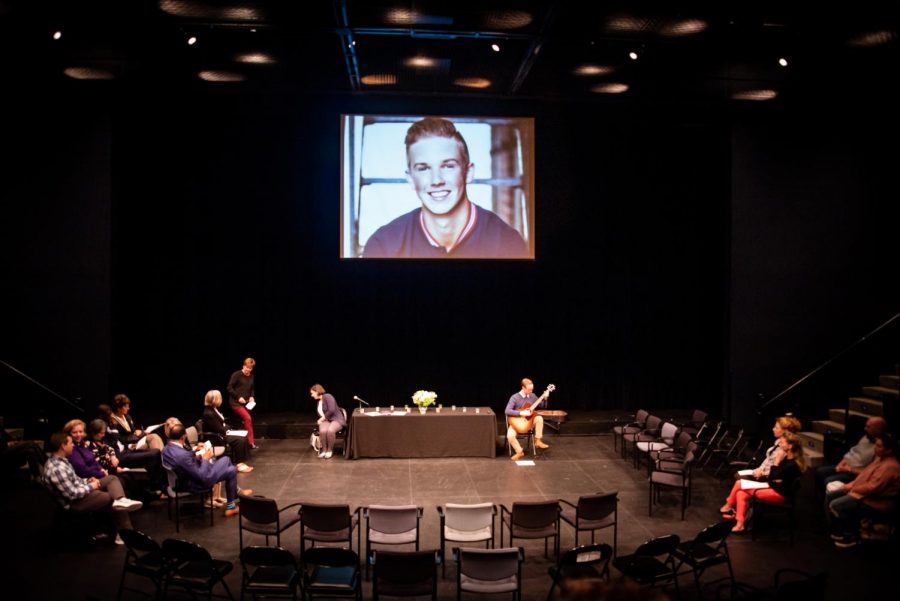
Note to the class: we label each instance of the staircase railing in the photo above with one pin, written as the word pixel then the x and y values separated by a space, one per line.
pixel 825 364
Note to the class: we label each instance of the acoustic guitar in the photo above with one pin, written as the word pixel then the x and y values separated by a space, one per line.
pixel 522 424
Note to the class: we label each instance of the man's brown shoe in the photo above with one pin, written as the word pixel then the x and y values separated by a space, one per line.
pixel 518 456
pixel 540 444
pixel 231 512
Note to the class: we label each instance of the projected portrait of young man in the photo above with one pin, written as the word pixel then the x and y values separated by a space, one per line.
pixel 448 224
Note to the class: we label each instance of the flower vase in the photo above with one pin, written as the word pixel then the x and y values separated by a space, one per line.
pixel 422 410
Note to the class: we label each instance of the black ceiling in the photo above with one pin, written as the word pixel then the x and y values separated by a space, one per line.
pixel 686 51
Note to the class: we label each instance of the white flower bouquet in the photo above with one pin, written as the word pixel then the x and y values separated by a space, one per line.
pixel 424 398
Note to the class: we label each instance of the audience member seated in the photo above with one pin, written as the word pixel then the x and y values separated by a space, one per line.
pixel 875 489
pixel 787 466
pixel 214 421
pixel 82 457
pixel 783 424
pixel 109 459
pixel 855 460
pixel 84 495
pixel 131 435
pixel 15 453
pixel 199 473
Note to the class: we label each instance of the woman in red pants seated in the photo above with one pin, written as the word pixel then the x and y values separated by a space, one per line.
pixel 787 466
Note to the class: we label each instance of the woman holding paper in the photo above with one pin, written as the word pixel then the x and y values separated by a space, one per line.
pixel 331 419
pixel 130 434
pixel 787 466
pixel 214 422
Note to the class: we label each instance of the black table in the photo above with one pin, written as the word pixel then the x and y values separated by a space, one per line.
pixel 432 434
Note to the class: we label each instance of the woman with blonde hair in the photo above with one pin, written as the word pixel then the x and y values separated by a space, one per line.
pixel 788 464
pixel 214 422
pixel 786 424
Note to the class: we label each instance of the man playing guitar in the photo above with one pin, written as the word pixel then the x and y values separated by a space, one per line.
pixel 521 417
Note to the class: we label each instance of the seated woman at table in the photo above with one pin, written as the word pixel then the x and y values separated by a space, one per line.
pixel 214 421
pixel 331 419
pixel 788 464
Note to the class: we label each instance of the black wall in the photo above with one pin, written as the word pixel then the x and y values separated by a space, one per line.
pixel 217 216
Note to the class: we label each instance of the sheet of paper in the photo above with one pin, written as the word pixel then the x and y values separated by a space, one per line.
pixel 751 484
pixel 525 462
pixel 236 432
pixel 150 429
pixel 398 413
pixel 250 405
pixel 745 472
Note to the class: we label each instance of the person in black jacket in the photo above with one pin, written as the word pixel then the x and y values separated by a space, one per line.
pixel 214 422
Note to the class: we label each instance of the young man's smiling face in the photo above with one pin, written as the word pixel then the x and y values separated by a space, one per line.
pixel 438 174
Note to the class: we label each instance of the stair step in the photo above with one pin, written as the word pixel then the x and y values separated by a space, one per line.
pixel 881 392
pixel 840 415
pixel 866 406
pixel 813 441
pixel 823 426
pixel 814 459
pixel 889 381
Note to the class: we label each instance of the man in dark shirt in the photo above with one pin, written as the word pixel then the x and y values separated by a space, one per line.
pixel 448 225
pixel 240 393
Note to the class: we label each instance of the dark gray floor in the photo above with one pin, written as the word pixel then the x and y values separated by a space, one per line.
pixel 289 471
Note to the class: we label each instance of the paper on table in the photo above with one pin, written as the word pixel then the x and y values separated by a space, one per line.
pixel 751 484
pixel 398 413
pixel 236 432
pixel 250 405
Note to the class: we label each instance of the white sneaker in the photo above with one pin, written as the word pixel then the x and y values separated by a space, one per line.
pixel 119 540
pixel 328 455
pixel 126 504
pixel 322 455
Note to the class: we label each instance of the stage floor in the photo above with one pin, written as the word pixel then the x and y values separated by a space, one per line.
pixel 289 471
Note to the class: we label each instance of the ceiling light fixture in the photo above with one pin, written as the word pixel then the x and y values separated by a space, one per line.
pixel 495 47
pixel 610 88
pixel 57 35
pixel 192 40
pixel 478 83
pixel 755 95
pixel 379 79
pixel 220 76
pixel 421 62
pixel 255 58
pixel 633 55
pixel 588 70
pixel 88 73
pixel 783 62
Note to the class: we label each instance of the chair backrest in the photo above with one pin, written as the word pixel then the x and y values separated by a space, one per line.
pixel 683 440
pixel 535 514
pixel 652 422
pixel 259 509
pixel 714 534
pixel 408 571
pixel 668 432
pixel 698 418
pixel 325 518
pixel 179 551
pixel 392 519
pixel 597 507
pixel 491 564
pixel 660 545
pixel 597 554
pixel 193 434
pixel 139 542
pixel 641 416
pixel 469 518
pixel 267 556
